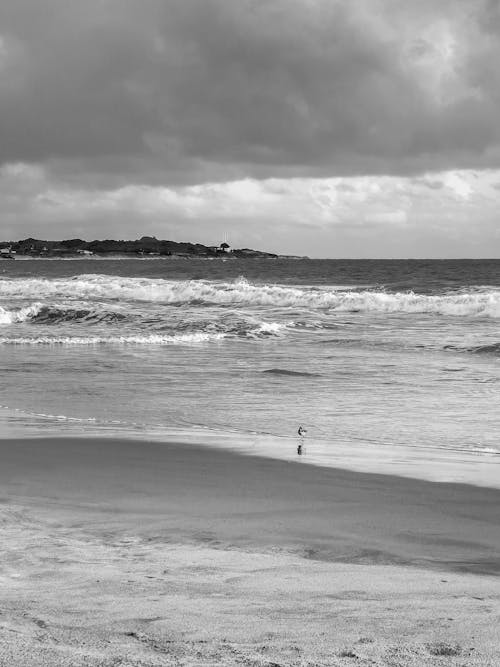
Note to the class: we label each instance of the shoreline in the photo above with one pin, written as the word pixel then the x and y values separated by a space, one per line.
pixel 24 258
pixel 325 513
pixel 151 554
pixel 474 468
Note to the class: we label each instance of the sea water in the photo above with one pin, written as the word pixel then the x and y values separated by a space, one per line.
pixel 391 366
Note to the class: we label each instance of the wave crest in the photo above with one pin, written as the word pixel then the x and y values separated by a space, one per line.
pixel 20 314
pixel 474 303
pixel 58 314
pixel 44 314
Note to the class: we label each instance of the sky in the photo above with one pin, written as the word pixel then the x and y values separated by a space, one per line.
pixel 328 128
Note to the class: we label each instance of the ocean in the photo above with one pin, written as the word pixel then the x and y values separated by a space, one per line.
pixel 390 365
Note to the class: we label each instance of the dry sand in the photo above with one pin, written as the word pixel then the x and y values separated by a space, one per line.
pixel 125 553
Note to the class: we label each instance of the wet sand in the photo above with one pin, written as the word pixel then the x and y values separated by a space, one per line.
pixel 133 553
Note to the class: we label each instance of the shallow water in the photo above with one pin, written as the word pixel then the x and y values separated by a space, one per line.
pixel 390 365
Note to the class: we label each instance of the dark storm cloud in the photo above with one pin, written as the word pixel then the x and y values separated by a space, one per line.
pixel 68 80
pixel 192 90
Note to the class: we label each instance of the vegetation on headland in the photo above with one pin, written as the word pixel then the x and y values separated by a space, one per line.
pixel 146 246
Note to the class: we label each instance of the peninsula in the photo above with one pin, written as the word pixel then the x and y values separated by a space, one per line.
pixel 145 246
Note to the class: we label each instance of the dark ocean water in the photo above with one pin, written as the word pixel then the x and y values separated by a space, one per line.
pixel 373 354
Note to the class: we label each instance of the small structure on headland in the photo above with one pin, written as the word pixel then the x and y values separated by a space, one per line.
pixel 222 249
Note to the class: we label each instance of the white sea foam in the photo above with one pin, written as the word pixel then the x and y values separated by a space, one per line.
pixel 243 293
pixel 270 328
pixel 151 339
pixel 485 450
pixel 19 314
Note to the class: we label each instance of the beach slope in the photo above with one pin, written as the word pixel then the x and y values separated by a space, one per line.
pixel 132 553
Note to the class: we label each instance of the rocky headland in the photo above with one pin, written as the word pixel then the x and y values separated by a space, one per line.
pixel 146 246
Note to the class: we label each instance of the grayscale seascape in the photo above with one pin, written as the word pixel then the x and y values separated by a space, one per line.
pixel 249 333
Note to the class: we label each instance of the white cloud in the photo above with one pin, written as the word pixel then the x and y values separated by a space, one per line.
pixel 363 215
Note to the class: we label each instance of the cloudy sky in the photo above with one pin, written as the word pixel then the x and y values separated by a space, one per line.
pixel 340 128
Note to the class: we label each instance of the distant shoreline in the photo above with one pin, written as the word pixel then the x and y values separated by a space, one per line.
pixel 146 247
pixel 78 258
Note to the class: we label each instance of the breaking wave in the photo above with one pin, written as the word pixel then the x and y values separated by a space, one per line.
pixel 474 303
pixel 20 314
pixel 141 327
pixel 58 314
pixel 44 314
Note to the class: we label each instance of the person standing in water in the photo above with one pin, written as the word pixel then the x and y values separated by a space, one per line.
pixel 301 433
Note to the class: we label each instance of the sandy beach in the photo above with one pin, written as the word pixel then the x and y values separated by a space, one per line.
pixel 133 553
